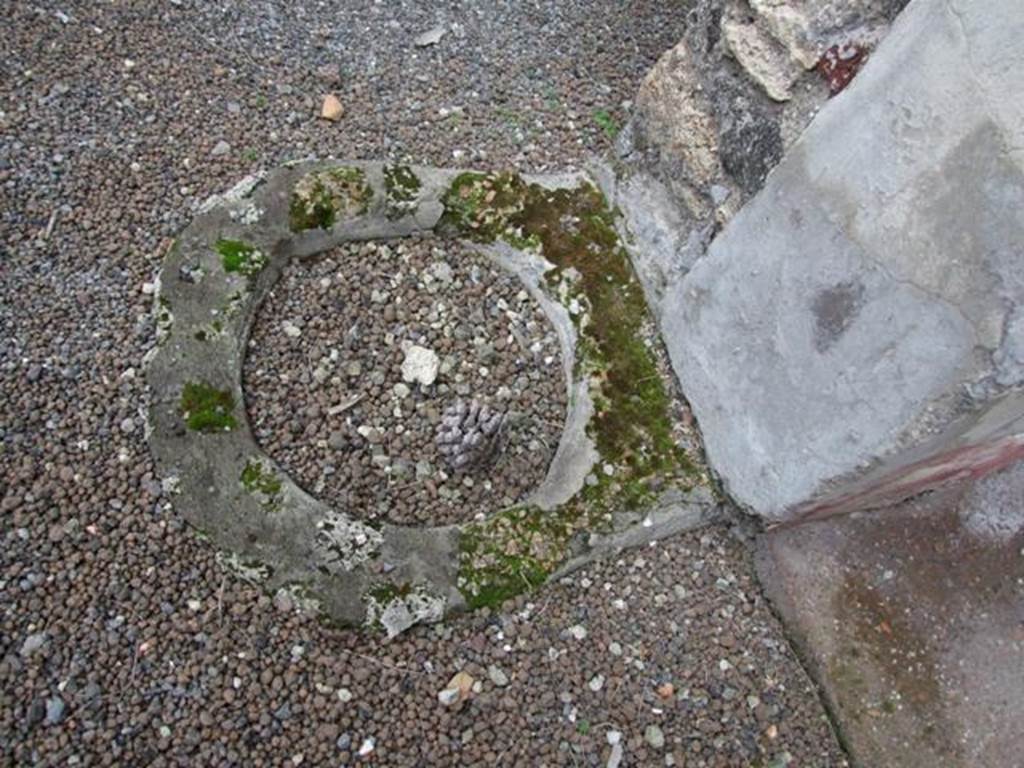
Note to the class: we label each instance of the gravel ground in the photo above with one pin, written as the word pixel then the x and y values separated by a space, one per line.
pixel 334 332
pixel 122 642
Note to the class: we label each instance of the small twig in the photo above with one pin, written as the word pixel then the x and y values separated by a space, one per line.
pixel 519 338
pixel 526 581
pixel 348 404
pixel 215 44
pixel 220 601
pixel 543 608
pixel 51 223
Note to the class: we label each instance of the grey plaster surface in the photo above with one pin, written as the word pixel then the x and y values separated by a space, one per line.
pixel 912 619
pixel 867 301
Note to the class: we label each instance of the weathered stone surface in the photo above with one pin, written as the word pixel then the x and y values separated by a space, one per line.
pixel 270 530
pixel 910 619
pixel 709 124
pixel 761 55
pixel 679 123
pixel 805 28
pixel 851 337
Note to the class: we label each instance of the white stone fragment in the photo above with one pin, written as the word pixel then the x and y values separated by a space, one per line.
pixel 420 366
pixel 431 37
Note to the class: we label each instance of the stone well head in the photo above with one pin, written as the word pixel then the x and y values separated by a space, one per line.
pixel 621 473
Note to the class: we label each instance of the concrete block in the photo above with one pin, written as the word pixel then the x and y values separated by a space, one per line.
pixel 856 333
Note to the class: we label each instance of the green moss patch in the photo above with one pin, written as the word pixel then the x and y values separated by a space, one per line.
pixel 511 552
pixel 239 257
pixel 261 482
pixel 574 230
pixel 385 593
pixel 607 123
pixel 322 198
pixel 487 207
pixel 632 426
pixel 207 409
pixel 402 187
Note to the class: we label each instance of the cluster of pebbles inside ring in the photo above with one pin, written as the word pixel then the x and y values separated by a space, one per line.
pixel 415 382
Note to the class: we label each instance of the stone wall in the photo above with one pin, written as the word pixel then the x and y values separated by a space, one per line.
pixel 719 110
pixel 854 334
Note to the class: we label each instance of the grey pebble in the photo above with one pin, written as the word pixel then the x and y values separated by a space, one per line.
pixel 654 736
pixel 55 708
pixel 36 712
pixel 33 644
pixel 497 676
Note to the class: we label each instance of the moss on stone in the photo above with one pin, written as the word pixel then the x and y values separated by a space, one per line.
pixel 385 593
pixel 239 257
pixel 262 483
pixel 574 230
pixel 321 198
pixel 487 207
pixel 402 187
pixel 207 409
pixel 511 552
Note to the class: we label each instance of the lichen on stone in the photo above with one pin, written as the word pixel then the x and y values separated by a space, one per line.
pixel 262 483
pixel 210 331
pixel 396 608
pixel 322 198
pixel 342 543
pixel 252 571
pixel 240 257
pixel 171 485
pixel 206 408
pixel 402 187
pixel 304 597
pixel 234 304
pixel 238 193
pixel 248 214
pixel 164 318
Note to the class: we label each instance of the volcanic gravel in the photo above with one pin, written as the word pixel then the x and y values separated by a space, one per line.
pixel 122 640
pixel 327 398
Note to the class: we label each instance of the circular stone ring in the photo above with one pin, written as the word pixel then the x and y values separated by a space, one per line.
pixel 618 478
